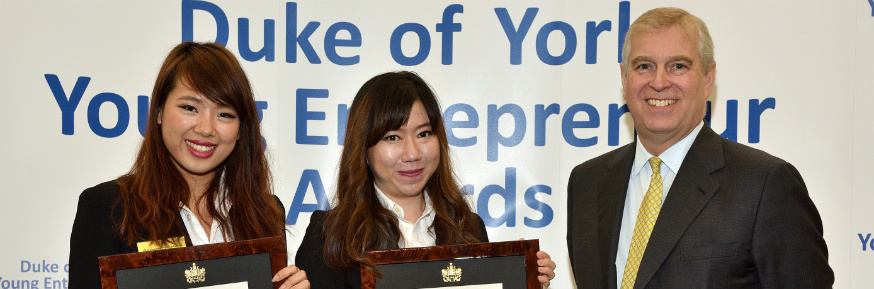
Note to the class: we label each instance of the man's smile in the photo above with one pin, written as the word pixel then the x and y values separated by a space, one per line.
pixel 661 102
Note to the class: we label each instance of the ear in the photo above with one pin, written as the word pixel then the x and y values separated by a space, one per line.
pixel 622 71
pixel 709 78
pixel 160 115
pixel 623 76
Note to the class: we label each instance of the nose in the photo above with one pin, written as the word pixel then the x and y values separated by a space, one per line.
pixel 205 126
pixel 661 80
pixel 412 152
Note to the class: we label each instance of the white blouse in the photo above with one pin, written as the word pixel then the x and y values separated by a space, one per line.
pixel 199 237
pixel 416 234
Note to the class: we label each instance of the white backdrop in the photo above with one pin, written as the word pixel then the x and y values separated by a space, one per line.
pixel 794 78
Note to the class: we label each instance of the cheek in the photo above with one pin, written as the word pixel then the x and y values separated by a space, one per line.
pixel 175 124
pixel 639 86
pixel 692 83
pixel 232 132
pixel 631 91
pixel 431 151
pixel 167 128
pixel 380 156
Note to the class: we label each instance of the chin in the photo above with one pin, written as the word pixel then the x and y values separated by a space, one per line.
pixel 414 192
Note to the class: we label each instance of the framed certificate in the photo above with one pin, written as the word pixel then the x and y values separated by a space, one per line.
pixel 507 265
pixel 231 265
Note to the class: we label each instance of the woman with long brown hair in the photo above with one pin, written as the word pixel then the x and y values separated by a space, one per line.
pixel 201 175
pixel 395 188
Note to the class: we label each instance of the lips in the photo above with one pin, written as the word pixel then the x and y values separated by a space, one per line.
pixel 411 173
pixel 201 149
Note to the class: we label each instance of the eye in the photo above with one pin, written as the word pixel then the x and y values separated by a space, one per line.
pixel 643 66
pixel 391 138
pixel 188 107
pixel 426 133
pixel 227 115
pixel 679 66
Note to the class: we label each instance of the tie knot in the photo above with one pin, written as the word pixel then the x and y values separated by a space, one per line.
pixel 656 164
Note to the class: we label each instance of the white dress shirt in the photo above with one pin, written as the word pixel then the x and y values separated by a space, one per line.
pixel 195 229
pixel 416 234
pixel 199 237
pixel 638 184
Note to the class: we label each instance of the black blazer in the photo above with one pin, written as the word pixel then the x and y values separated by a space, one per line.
pixel 95 234
pixel 310 257
pixel 735 217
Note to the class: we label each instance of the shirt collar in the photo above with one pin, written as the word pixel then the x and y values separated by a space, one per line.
pixel 672 157
pixel 396 209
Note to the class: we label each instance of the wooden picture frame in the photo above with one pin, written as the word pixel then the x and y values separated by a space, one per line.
pixel 231 263
pixel 512 264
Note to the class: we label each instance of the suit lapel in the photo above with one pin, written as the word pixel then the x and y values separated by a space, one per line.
pixel 691 190
pixel 611 199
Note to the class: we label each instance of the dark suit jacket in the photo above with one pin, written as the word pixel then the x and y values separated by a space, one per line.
pixel 310 258
pixel 95 234
pixel 735 217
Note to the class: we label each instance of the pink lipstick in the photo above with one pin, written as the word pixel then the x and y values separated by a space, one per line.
pixel 411 173
pixel 200 149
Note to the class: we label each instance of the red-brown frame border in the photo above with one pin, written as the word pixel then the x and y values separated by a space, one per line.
pixel 275 246
pixel 528 248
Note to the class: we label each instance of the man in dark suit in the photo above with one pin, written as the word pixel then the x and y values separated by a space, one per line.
pixel 682 207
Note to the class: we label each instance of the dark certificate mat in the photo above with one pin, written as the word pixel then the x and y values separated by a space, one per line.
pixel 511 264
pixel 251 261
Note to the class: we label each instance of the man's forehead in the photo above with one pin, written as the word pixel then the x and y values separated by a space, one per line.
pixel 666 43
pixel 689 33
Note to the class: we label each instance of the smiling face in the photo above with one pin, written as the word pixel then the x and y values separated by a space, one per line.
pixel 404 160
pixel 665 87
pixel 198 133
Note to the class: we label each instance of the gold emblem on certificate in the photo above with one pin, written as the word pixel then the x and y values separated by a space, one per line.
pixel 195 274
pixel 451 274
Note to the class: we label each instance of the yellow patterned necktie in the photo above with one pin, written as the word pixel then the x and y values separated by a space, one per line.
pixel 646 218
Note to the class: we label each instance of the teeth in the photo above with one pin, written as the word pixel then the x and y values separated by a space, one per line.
pixel 200 148
pixel 660 103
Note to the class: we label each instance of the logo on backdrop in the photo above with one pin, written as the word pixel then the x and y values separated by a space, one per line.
pixel 515 34
pixel 41 274
pixel 871 2
pixel 580 124
pixel 867 242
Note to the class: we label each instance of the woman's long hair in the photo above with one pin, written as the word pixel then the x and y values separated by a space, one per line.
pixel 359 223
pixel 153 191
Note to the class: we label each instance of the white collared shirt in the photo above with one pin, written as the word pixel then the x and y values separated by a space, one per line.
pixel 198 234
pixel 416 234
pixel 638 184
pixel 195 229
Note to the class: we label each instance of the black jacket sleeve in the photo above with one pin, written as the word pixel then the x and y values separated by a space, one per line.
pixel 310 258
pixel 93 235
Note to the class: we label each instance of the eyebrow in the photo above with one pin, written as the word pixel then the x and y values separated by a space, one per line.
pixel 426 124
pixel 683 58
pixel 191 98
pixel 640 59
pixel 199 100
